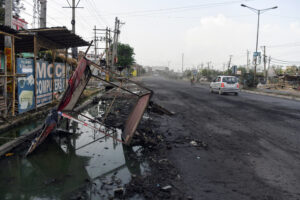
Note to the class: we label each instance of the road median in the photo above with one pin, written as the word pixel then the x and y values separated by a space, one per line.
pixel 272 95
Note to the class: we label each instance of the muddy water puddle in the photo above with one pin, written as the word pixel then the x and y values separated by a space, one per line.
pixel 67 168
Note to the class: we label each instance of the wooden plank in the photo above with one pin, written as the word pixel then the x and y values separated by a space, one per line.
pixel 9 146
pixel 13 73
pixel 35 70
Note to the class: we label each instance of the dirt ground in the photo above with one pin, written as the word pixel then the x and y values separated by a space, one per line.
pixel 220 147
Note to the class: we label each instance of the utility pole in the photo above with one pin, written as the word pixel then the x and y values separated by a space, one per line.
pixel 268 68
pixel 7 45
pixel 208 63
pixel 106 46
pixel 95 43
pixel 73 6
pixel 115 44
pixel 43 15
pixel 265 63
pixel 248 61
pixel 229 63
pixel 182 59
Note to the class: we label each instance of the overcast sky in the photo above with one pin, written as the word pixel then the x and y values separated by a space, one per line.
pixel 204 30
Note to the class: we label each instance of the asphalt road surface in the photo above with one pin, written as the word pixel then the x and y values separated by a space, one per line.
pixel 253 142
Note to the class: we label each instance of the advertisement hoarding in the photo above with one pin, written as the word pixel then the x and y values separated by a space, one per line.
pixel 25 85
pixel 44 82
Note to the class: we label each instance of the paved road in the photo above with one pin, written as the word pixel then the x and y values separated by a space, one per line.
pixel 253 140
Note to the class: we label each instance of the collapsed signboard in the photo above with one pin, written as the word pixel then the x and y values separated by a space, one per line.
pixel 77 84
pixel 44 82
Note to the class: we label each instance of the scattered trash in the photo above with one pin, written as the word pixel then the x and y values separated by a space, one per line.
pixel 167 188
pixel 194 143
pixel 163 160
pixel 198 157
pixel 119 192
pixel 9 154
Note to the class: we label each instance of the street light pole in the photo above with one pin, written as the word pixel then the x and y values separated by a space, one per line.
pixel 258 11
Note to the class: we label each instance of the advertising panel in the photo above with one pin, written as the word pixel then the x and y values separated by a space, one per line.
pixel 25 85
pixel 44 81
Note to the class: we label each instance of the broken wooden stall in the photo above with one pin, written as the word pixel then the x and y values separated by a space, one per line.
pixel 36 71
pixel 7 71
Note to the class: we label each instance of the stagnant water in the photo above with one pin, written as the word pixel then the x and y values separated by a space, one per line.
pixel 63 167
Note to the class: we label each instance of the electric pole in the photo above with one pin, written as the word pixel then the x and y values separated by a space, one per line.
pixel 265 62
pixel 229 63
pixel 182 59
pixel 43 15
pixel 114 50
pixel 248 61
pixel 208 63
pixel 268 68
pixel 7 45
pixel 73 6
pixel 106 46
pixel 115 43
pixel 95 42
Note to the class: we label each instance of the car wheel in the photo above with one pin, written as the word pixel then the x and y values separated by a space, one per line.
pixel 236 93
pixel 220 92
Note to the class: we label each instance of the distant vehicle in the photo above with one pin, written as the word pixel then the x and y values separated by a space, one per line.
pixel 225 84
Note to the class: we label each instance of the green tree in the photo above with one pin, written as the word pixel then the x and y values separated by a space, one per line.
pixel 17 7
pixel 291 70
pixel 125 56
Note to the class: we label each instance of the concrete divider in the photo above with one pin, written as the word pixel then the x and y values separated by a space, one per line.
pixel 272 95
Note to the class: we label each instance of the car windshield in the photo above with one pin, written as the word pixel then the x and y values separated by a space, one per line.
pixel 229 79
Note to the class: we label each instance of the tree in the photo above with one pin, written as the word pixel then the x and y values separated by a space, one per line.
pixel 17 7
pixel 125 56
pixel 291 70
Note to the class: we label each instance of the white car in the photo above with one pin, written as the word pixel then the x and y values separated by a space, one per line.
pixel 225 84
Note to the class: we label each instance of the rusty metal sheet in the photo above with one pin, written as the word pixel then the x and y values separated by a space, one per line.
pixel 135 117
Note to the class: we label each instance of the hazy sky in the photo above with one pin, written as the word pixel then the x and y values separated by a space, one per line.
pixel 204 30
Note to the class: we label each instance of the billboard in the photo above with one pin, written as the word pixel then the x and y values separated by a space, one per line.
pixel 25 85
pixel 44 81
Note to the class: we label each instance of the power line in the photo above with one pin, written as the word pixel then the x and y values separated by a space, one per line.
pixel 176 9
pixel 92 9
pixel 292 44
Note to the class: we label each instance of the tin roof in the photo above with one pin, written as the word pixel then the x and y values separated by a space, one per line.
pixel 48 38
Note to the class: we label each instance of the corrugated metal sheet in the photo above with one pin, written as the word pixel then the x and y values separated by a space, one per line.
pixel 61 36
pixel 135 118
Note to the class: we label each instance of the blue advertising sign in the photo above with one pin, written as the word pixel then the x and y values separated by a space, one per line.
pixel 44 81
pixel 25 85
